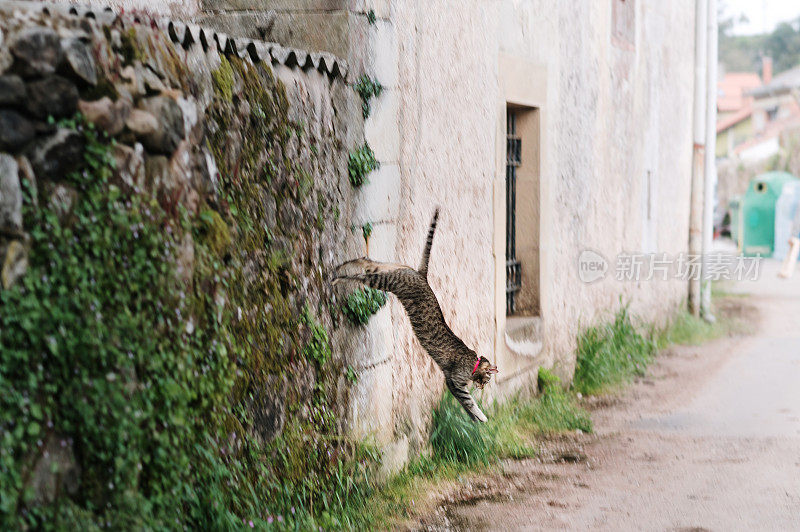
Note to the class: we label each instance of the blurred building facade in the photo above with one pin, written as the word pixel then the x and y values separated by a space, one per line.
pixel 543 130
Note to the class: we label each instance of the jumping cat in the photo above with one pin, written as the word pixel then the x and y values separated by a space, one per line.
pixel 459 363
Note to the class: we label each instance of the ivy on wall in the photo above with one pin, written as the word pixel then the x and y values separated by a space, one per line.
pixel 362 162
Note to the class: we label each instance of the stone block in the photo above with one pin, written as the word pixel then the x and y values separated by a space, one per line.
pixel 249 24
pixel 52 96
pixel 169 116
pixel 370 410
pixel 10 193
pixel 59 154
pixel 394 457
pixel 15 263
pixel 79 61
pixel 381 8
pixel 12 90
pixel 383 61
pixel 383 242
pixel 38 51
pixel 378 200
pixel 277 5
pixel 315 32
pixel 381 129
pixel 107 115
pixel 15 130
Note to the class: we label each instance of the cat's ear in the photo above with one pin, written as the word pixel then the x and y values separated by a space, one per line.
pixel 492 369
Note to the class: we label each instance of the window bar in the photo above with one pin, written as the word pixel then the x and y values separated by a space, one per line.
pixel 513 159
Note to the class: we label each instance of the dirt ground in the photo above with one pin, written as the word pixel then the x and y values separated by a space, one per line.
pixel 708 440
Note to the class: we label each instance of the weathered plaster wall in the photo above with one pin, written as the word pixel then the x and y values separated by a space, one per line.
pixel 613 113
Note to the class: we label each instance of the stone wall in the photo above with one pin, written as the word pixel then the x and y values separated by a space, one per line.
pixel 235 167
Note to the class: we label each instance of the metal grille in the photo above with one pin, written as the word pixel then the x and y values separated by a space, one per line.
pixel 513 160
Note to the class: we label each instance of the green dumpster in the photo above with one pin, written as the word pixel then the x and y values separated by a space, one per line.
pixel 758 213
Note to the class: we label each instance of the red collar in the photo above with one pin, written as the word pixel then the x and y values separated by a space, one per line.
pixel 477 362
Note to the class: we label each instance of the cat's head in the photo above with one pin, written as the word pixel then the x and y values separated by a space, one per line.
pixel 483 372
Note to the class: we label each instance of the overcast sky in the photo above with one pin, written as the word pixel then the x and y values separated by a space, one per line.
pixel 764 15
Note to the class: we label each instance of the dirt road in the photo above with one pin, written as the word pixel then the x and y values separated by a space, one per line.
pixel 709 440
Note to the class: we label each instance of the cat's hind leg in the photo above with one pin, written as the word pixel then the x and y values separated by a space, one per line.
pixel 380 275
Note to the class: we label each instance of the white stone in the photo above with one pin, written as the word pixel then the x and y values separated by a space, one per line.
pixel 383 242
pixel 379 199
pixel 370 408
pixel 384 63
pixel 381 128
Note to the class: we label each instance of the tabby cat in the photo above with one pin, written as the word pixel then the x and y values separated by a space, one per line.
pixel 459 363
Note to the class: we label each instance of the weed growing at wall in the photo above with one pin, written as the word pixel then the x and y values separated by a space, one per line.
pixel 367 88
pixel 366 230
pixel 611 354
pixel 362 162
pixel 363 303
pixel 371 18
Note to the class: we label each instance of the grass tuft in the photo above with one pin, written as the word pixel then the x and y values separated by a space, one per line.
pixel 610 355
pixel 687 329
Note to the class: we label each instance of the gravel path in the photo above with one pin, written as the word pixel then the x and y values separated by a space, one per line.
pixel 709 440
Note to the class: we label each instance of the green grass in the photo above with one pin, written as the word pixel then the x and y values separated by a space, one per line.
pixel 461 447
pixel 686 329
pixel 610 355
pixel 512 427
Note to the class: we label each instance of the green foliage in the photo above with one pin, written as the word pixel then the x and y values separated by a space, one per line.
pixel 511 428
pixel 223 79
pixel 371 18
pixel 609 355
pixel 363 303
pixel 687 329
pixel 318 348
pixel 362 162
pixel 367 88
pixel 366 230
pixel 744 52
pixel 546 379
pixel 152 378
pixel 555 411
pixel 351 375
pixel 456 438
pixel 130 49
pixel 97 351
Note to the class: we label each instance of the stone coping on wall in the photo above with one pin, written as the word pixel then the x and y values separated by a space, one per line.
pixel 188 35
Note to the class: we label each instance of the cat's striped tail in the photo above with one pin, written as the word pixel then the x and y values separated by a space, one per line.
pixel 426 253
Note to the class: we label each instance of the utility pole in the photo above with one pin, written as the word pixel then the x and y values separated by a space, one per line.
pixel 698 150
pixel 710 184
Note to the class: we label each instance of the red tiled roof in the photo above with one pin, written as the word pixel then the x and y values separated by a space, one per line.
pixel 732 88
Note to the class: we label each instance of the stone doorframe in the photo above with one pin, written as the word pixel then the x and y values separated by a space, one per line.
pixel 519 342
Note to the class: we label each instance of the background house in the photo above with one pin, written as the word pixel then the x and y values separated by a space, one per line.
pixel 735 110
